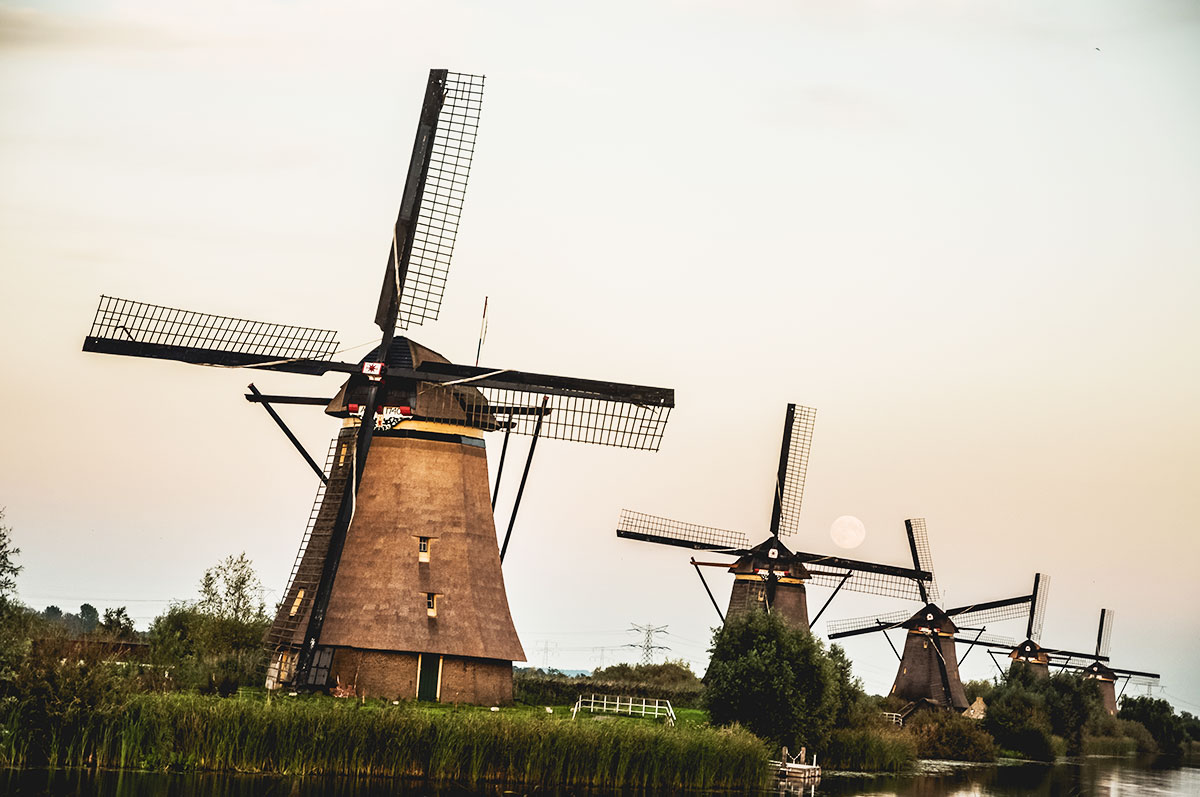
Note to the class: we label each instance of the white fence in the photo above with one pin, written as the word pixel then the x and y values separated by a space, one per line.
pixel 633 706
pixel 893 718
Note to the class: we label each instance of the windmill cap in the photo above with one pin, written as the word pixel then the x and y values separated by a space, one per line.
pixel 931 617
pixel 403 354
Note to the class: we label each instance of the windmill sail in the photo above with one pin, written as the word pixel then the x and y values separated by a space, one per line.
pixel 138 329
pixel 990 612
pixel 664 531
pixel 427 225
pixel 793 469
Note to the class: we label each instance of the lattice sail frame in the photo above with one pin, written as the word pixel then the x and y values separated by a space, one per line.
pixel 963 617
pixel 1038 608
pixel 674 532
pixel 1104 640
pixel 885 620
pixel 441 203
pixel 126 320
pixel 864 581
pixel 577 418
pixel 968 617
pixel 924 556
pixel 791 488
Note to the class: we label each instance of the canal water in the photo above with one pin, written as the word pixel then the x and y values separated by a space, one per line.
pixel 1108 777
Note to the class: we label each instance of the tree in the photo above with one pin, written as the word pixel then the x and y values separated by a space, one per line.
pixel 53 614
pixel 88 617
pixel 8 562
pixel 1158 716
pixel 231 590
pixel 215 643
pixel 117 624
pixel 777 681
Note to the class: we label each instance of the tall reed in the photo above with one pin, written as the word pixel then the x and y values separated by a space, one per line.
pixel 467 746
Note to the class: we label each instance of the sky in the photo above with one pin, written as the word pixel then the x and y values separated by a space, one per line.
pixel 964 232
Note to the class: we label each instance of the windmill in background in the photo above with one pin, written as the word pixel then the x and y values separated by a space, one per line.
pixel 769 576
pixel 397 589
pixel 1106 677
pixel 1031 653
pixel 928 670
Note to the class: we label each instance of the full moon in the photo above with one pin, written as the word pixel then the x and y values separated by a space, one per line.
pixel 848 532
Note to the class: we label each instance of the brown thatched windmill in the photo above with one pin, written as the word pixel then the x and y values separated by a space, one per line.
pixel 769 576
pixel 928 669
pixel 397 590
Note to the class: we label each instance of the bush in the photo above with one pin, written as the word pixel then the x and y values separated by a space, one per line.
pixel 777 681
pixel 869 750
pixel 1016 719
pixel 949 735
pixel 536 688
pixel 1157 717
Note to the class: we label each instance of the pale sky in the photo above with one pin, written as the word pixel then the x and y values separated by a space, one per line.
pixel 966 232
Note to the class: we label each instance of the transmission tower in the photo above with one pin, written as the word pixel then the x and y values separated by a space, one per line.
pixel 647 645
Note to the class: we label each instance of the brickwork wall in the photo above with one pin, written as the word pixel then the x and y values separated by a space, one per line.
pixel 920 673
pixel 791 601
pixel 393 676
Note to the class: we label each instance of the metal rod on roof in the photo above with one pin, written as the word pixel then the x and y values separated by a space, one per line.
pixel 260 398
pixel 537 430
pixel 500 468
pixel 893 645
pixel 704 581
pixel 829 600
pixel 972 645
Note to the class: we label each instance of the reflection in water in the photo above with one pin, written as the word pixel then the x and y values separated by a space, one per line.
pixel 1105 777
pixel 1088 776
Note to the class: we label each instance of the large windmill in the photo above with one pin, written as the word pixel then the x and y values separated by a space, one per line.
pixel 928 670
pixel 397 590
pixel 769 576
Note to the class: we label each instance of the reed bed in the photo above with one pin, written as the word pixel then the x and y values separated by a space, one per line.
pixel 870 750
pixel 311 736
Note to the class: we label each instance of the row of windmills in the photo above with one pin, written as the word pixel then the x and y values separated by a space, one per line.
pixel 397 588
pixel 769 577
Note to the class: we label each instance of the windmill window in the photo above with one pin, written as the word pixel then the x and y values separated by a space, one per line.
pixel 296 603
pixel 423 549
pixel 431 604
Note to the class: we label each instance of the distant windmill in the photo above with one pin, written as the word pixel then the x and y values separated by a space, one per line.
pixel 1106 677
pixel 769 576
pixel 1031 653
pixel 928 670
pixel 397 589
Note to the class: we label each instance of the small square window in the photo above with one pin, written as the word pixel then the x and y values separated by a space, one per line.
pixel 431 604
pixel 422 549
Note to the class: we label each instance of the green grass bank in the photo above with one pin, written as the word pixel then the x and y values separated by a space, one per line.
pixel 469 746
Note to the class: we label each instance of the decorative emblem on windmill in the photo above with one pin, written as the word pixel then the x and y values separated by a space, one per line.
pixel 397 589
pixel 928 670
pixel 769 576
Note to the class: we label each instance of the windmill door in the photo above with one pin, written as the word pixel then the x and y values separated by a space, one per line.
pixel 429 676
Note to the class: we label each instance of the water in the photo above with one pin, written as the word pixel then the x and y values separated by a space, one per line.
pixel 1107 777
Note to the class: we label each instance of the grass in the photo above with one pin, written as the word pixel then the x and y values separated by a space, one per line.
pixel 467 745
pixel 870 750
